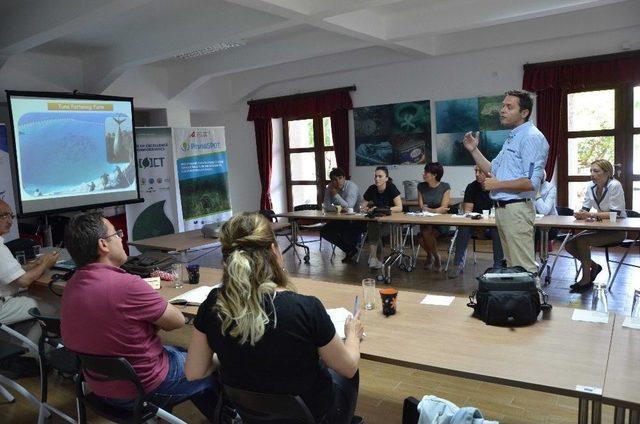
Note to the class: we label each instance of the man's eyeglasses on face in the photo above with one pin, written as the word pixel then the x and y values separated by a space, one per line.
pixel 118 233
pixel 6 215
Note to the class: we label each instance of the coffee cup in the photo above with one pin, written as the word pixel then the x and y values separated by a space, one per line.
pixel 485 213
pixel 613 216
pixel 349 210
pixel 389 298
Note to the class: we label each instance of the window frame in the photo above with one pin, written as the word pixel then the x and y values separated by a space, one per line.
pixel 318 149
pixel 622 133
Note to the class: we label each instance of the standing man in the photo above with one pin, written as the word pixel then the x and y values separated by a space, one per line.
pixel 516 177
pixel 14 307
pixel 344 234
pixel 476 199
pixel 106 311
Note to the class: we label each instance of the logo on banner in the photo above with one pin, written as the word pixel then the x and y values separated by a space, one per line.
pixel 187 146
pixel 151 162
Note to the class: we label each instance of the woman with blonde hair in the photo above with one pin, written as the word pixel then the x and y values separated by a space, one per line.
pixel 603 195
pixel 268 338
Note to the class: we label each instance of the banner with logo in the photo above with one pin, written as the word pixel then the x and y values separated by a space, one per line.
pixel 6 183
pixel 157 215
pixel 202 174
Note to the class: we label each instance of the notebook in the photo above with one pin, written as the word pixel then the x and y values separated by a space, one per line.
pixel 338 317
pixel 193 297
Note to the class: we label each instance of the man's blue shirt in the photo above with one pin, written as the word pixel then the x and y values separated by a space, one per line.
pixel 523 155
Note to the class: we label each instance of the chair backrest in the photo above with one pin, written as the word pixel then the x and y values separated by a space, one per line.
pixel 307 207
pixel 269 214
pixel 50 324
pixel 564 211
pixel 632 214
pixel 256 407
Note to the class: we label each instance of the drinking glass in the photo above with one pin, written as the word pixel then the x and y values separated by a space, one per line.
pixel 178 275
pixel 369 293
pixel 338 208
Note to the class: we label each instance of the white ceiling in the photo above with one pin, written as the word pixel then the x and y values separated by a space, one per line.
pixel 113 36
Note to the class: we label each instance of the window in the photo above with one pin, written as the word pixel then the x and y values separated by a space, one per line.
pixel 309 157
pixel 602 123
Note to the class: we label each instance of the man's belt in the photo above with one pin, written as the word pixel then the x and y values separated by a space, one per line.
pixel 503 203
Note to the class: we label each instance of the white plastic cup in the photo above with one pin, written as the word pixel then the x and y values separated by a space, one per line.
pixel 485 213
pixel 369 293
pixel 613 216
pixel 349 210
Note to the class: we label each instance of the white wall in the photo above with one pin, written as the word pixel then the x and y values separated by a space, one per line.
pixel 487 72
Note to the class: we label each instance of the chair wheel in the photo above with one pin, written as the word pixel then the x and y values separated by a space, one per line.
pixel 387 280
pixel 409 268
pixel 547 280
pixel 380 277
pixel 306 259
pixel 402 267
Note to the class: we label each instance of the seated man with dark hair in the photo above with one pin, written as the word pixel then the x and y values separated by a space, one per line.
pixel 344 234
pixel 476 199
pixel 106 311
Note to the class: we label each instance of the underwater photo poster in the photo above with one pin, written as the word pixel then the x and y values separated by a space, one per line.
pixel 457 116
pixel 393 134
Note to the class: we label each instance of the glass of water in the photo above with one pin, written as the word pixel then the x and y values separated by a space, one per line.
pixel 178 275
pixel 369 293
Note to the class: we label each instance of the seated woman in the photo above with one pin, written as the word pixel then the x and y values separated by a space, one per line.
pixel 604 195
pixel 433 196
pixel 269 338
pixel 381 194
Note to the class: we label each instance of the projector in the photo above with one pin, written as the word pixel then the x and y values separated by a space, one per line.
pixel 211 230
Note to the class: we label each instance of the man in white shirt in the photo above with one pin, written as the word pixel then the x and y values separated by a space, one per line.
pixel 14 307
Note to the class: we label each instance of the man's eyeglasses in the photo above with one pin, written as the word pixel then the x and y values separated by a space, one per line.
pixel 6 215
pixel 118 233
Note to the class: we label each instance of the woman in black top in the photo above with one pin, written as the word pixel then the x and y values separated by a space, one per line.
pixel 268 338
pixel 433 196
pixel 381 194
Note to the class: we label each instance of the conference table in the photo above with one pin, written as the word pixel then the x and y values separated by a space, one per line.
pixel 592 362
pixel 556 355
pixel 181 242
pixel 398 220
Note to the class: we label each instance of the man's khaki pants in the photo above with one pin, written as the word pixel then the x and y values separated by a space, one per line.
pixel 515 224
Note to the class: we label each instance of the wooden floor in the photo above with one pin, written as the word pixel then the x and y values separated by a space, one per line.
pixel 383 387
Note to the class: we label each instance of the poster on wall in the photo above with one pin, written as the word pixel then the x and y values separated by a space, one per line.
pixel 393 134
pixel 157 215
pixel 456 117
pixel 202 174
pixel 6 183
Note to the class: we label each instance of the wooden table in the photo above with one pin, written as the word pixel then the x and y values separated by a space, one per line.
pixel 622 383
pixel 555 355
pixel 181 242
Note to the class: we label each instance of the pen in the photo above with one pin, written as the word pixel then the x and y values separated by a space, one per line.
pixel 356 306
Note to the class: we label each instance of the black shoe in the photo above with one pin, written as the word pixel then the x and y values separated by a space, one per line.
pixel 581 288
pixel 350 257
pixel 595 272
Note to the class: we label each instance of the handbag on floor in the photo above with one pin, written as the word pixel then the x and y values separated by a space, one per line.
pixel 508 296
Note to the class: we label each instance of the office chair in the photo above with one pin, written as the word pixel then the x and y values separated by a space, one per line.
pixel 12 350
pixel 627 244
pixel 52 354
pixel 113 368
pixel 285 232
pixel 258 408
pixel 564 238
pixel 313 226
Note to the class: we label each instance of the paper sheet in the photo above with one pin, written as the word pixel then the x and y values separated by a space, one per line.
pixel 590 316
pixel 422 213
pixel 631 322
pixel 433 299
pixel 338 317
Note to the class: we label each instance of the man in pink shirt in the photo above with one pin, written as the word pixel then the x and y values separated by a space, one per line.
pixel 107 311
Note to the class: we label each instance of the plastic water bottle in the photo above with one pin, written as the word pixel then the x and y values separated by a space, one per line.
pixel 492 214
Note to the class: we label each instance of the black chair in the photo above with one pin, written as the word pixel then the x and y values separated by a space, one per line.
pixel 10 350
pixel 563 237
pixel 52 354
pixel 112 368
pixel 314 226
pixel 627 244
pixel 285 232
pixel 259 408
pixel 410 414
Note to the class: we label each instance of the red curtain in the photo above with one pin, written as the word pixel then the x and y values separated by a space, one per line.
pixel 333 103
pixel 552 81
pixel 340 135
pixel 299 106
pixel 264 141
